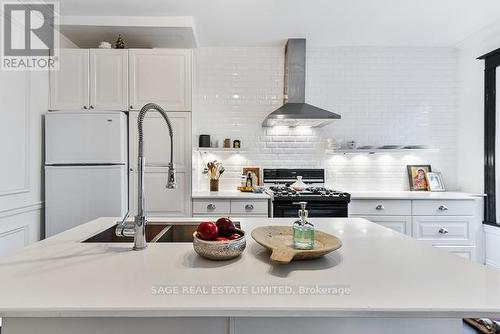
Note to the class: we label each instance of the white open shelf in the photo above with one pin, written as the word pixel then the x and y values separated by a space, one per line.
pixel 220 150
pixel 385 151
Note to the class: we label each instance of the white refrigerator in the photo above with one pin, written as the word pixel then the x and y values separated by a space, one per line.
pixel 86 168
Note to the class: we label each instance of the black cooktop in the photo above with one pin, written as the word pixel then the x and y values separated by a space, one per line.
pixel 314 193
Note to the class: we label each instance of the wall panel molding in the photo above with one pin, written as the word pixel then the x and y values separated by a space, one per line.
pixel 25 187
pixel 21 209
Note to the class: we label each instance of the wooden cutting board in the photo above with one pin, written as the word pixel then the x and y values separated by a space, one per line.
pixel 279 240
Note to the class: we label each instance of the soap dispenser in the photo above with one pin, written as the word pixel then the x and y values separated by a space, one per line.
pixel 303 231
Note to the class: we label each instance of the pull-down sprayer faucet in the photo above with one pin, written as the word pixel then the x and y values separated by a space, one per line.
pixel 138 228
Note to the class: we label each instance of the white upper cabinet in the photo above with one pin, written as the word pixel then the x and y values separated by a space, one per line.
pixel 108 79
pixel 69 86
pixel 162 76
pixel 120 80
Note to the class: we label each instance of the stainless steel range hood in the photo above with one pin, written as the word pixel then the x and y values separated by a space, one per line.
pixel 295 112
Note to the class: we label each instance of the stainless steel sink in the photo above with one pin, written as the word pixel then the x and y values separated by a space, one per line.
pixel 155 232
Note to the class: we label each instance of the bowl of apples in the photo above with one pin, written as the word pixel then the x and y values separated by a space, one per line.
pixel 219 240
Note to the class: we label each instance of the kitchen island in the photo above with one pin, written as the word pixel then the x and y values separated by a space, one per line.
pixel 380 281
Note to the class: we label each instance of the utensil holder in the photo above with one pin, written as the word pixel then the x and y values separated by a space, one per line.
pixel 214 185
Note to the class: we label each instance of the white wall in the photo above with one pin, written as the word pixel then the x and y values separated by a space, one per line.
pixel 492 246
pixel 385 96
pixel 23 97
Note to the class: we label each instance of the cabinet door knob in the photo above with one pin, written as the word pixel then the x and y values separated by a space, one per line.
pixel 211 207
pixel 379 207
pixel 442 230
pixel 84 107
pixel 131 107
pixel 91 107
pixel 443 208
pixel 249 207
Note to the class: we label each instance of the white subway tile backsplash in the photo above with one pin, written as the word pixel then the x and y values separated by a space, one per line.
pixel 386 95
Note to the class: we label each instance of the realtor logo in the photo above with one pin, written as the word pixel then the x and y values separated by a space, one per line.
pixel 29 35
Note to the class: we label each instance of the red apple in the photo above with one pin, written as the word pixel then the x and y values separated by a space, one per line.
pixel 226 226
pixel 221 239
pixel 207 231
pixel 234 236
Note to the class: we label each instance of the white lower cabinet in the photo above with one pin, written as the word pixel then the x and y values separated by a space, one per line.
pixel 159 200
pixel 389 207
pixel 401 224
pixel 234 207
pixel 452 225
pixel 211 207
pixel 468 253
pixel 450 230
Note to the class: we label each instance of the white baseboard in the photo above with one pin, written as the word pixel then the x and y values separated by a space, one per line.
pixel 492 264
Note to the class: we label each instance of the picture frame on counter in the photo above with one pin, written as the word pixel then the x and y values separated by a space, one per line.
pixel 417 177
pixel 435 181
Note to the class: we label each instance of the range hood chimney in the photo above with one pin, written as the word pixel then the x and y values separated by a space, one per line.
pixel 294 111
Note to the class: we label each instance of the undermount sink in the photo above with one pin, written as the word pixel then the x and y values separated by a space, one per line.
pixel 155 232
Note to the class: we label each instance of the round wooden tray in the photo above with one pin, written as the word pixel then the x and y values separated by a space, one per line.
pixel 279 240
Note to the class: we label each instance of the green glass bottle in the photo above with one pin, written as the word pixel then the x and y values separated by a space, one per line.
pixel 303 231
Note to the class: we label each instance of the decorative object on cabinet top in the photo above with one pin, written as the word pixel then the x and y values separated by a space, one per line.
pixel 435 181
pixel 417 177
pixel 256 171
pixel 104 45
pixel 120 43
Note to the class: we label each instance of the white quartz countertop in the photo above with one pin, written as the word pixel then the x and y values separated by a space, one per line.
pixel 409 195
pixel 382 272
pixel 228 195
pixel 412 195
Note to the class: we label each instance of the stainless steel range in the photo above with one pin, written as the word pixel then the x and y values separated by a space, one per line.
pixel 321 201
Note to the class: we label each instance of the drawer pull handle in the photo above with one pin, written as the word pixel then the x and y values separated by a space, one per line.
pixel 211 207
pixel 442 230
pixel 249 207
pixel 379 207
pixel 443 208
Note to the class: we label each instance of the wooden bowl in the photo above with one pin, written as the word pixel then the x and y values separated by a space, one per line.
pixel 279 240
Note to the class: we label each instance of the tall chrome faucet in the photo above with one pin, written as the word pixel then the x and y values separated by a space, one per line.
pixel 138 228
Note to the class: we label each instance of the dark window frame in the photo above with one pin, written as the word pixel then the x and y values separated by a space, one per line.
pixel 492 61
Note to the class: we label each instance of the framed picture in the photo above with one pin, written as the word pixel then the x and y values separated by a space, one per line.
pixel 435 181
pixel 256 171
pixel 417 177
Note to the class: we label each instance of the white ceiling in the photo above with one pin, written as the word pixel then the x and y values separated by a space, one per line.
pixel 322 22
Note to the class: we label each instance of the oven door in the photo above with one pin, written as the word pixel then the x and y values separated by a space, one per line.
pixel 315 209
